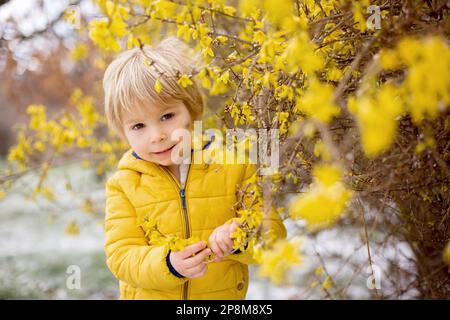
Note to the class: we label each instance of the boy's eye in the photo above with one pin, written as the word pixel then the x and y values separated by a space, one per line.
pixel 167 116
pixel 137 126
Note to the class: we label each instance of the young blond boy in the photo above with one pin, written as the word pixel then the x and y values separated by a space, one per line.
pixel 193 200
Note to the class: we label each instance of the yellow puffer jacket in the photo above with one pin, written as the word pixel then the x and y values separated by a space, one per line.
pixel 139 188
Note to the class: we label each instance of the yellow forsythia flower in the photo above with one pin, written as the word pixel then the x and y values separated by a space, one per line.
pixel 39 146
pixel 325 200
pixel 88 206
pixel 377 118
pixel 358 14
pixel 155 237
pixel 278 10
pixel 71 15
pixel 428 142
pixel 318 102
pixel 327 283
pixel 72 228
pixel 277 261
pixel 157 86
pixel 421 93
pixel 48 194
pixel 79 52
pixel 327 175
pixel 184 32
pixel 37 115
pixel 185 81
pixel 321 150
pixel 446 254
pixel 427 84
pixel 318 271
pixel 104 33
pixel 301 53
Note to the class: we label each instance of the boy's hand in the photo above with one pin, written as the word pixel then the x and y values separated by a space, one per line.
pixel 220 240
pixel 191 262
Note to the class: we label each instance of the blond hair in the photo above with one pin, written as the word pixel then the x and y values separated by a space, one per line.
pixel 130 79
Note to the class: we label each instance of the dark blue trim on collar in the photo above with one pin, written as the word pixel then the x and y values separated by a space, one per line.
pixel 209 142
pixel 136 156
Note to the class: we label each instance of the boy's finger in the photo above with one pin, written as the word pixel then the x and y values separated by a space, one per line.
pixel 218 253
pixel 198 258
pixel 193 249
pixel 222 244
pixel 233 227
pixel 230 242
pixel 197 269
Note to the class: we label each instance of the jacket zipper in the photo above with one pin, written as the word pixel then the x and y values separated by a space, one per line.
pixel 182 192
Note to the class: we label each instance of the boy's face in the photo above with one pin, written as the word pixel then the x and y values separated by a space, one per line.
pixel 149 130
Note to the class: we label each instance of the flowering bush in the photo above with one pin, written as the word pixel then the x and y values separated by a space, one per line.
pixel 360 91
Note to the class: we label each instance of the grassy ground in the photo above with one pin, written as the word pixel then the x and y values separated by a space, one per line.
pixel 35 251
pixel 34 276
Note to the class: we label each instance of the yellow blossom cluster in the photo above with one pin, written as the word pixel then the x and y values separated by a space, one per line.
pixel 446 254
pixel 276 261
pixel 423 93
pixel 377 116
pixel 426 88
pixel 64 131
pixel 324 201
pixel 104 32
pixel 72 228
pixel 172 242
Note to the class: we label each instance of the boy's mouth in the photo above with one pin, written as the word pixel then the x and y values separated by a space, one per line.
pixel 164 151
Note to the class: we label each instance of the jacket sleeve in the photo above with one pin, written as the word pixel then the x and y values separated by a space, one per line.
pixel 270 222
pixel 128 255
